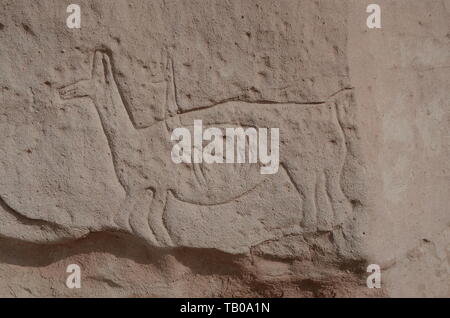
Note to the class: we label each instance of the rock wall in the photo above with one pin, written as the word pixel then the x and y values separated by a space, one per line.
pixel 402 78
pixel 87 178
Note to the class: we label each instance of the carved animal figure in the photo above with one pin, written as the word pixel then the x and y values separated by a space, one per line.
pixel 310 136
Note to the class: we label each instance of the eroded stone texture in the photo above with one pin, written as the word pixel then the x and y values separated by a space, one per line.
pixel 409 145
pixel 85 170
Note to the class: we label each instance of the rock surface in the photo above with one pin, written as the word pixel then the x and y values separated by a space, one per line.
pixel 86 175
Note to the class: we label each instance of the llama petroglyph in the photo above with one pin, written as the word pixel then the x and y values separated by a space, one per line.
pixel 312 149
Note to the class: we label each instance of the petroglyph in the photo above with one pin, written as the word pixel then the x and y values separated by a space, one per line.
pixel 312 157
pixel 363 175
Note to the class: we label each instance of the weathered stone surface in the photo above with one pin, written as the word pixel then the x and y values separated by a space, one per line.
pixel 86 174
pixel 408 129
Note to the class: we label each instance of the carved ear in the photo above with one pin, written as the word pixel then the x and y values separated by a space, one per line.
pixel 98 68
pixel 172 107
pixel 107 68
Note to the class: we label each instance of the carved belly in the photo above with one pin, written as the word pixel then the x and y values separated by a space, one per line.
pixel 215 183
pixel 210 184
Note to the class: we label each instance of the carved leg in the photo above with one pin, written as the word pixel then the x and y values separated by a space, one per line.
pixel 156 221
pixel 145 217
pixel 325 216
pixel 306 186
pixel 341 205
pixel 138 205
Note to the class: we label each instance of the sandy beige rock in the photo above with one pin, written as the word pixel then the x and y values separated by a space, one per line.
pixel 86 175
